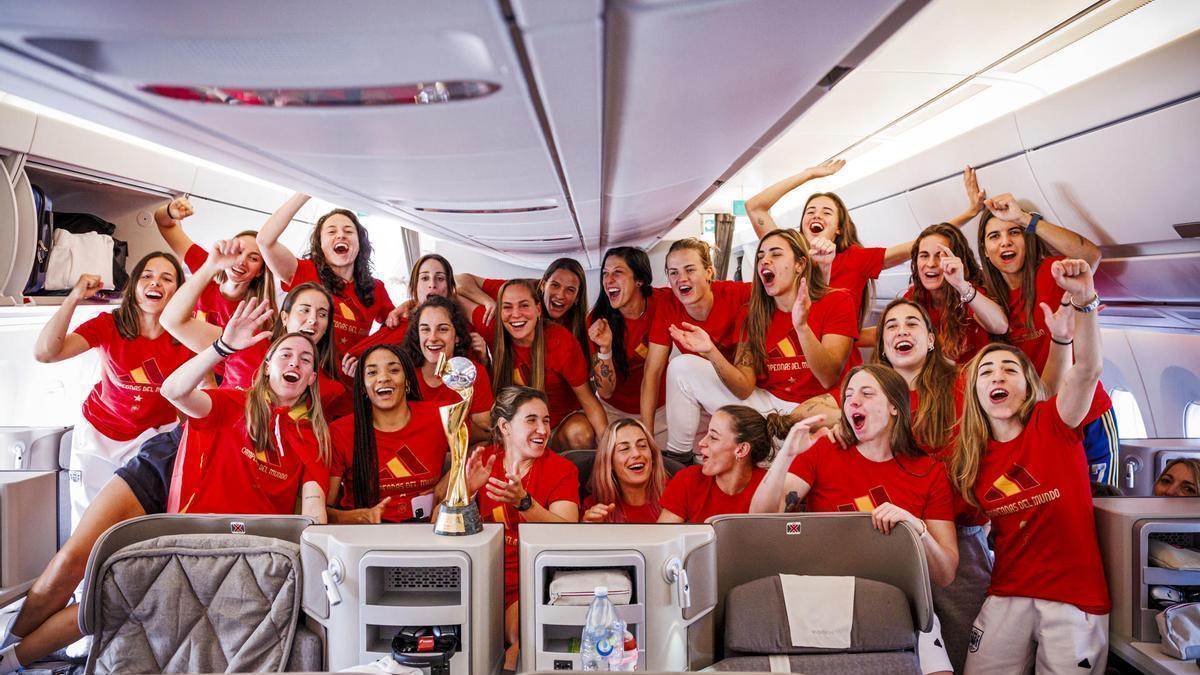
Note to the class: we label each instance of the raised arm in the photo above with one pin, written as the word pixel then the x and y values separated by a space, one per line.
pixel 987 312
pixel 54 343
pixel 179 318
pixel 901 252
pixel 738 378
pixel 656 362
pixel 771 495
pixel 1060 323
pixel 759 206
pixel 242 331
pixel 167 218
pixel 603 372
pixel 280 260
pixel 470 286
pixel 1068 243
pixel 1079 383
pixel 825 355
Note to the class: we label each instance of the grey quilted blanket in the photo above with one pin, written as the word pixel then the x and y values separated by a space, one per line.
pixel 198 603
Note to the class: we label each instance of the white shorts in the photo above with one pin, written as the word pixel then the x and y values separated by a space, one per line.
pixel 694 388
pixel 1013 634
pixel 94 459
pixel 660 421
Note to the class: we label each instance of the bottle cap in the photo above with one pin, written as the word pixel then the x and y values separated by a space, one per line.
pixel 601 591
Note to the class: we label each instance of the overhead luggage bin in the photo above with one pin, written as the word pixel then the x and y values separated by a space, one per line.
pixel 381 579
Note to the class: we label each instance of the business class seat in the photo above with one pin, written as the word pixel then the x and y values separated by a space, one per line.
pixel 213 593
pixel 584 460
pixel 892 600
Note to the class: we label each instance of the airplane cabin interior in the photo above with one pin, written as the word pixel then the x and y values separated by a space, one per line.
pixel 306 306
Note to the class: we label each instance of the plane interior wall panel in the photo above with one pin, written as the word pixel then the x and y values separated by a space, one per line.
pixel 16 127
pixel 1170 368
pixel 1166 74
pixel 1129 182
pixel 42 394
pixel 1123 370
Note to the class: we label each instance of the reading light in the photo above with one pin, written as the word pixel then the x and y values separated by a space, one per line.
pixel 420 93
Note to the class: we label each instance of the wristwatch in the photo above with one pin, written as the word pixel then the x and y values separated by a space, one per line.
pixel 1034 219
pixel 525 504
pixel 1088 308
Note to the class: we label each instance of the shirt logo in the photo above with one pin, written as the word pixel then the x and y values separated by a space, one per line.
pixel 785 348
pixel 347 313
pixel 147 374
pixel 403 465
pixel 1013 481
pixel 642 350
pixel 498 515
pixel 518 377
pixel 867 503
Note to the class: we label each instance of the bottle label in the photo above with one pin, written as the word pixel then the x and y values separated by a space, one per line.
pixel 605 647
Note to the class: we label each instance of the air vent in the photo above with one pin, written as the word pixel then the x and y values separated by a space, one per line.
pixel 520 209
pixel 1187 230
pixel 834 76
pixel 421 93
pixel 565 237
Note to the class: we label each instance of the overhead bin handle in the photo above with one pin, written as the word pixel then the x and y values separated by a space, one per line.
pixel 674 573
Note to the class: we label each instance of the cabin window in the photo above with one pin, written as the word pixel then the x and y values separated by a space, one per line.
pixel 1191 420
pixel 1129 414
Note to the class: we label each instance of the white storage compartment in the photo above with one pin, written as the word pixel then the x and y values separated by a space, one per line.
pixel 657 613
pixel 28 529
pixel 396 576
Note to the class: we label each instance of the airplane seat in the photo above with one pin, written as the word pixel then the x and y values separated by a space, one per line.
pixel 210 593
pixel 585 459
pixel 890 577
pixel 29 478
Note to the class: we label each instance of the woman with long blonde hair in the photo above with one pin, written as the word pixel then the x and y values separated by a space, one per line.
pixel 1020 459
pixel 532 352
pixel 796 336
pixel 628 476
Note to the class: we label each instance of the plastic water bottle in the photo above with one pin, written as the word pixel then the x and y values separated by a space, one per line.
pixel 602 645
pixel 629 657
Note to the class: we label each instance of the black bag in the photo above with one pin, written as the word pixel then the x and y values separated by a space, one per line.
pixel 44 208
pixel 429 647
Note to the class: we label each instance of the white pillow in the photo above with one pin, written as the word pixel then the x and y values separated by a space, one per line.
pixel 1163 554
pixel 578 587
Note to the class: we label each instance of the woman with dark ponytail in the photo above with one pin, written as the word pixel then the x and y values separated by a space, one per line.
pixel 389 455
pixel 619 328
pixel 737 441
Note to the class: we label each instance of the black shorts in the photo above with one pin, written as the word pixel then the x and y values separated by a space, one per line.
pixel 148 474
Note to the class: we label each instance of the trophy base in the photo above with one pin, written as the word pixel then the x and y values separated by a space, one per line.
pixel 458 521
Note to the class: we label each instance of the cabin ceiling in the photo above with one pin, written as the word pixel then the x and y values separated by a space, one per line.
pixel 609 123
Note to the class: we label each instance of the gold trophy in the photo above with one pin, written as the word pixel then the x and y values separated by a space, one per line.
pixel 458 515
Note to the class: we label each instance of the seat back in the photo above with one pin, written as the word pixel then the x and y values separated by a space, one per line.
pixel 198 571
pixel 822 544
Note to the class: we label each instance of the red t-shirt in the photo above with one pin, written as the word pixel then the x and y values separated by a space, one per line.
pixel 722 324
pixel 627 396
pixel 383 336
pixel 624 513
pixel 126 400
pixel 974 336
pixel 225 474
pixel 788 375
pixel 851 270
pixel 965 515
pixel 351 318
pixel 211 307
pixel 844 480
pixel 410 460
pixel 695 497
pixel 550 479
pixel 566 368
pixel 492 287
pixel 481 399
pixel 1035 340
pixel 1035 489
